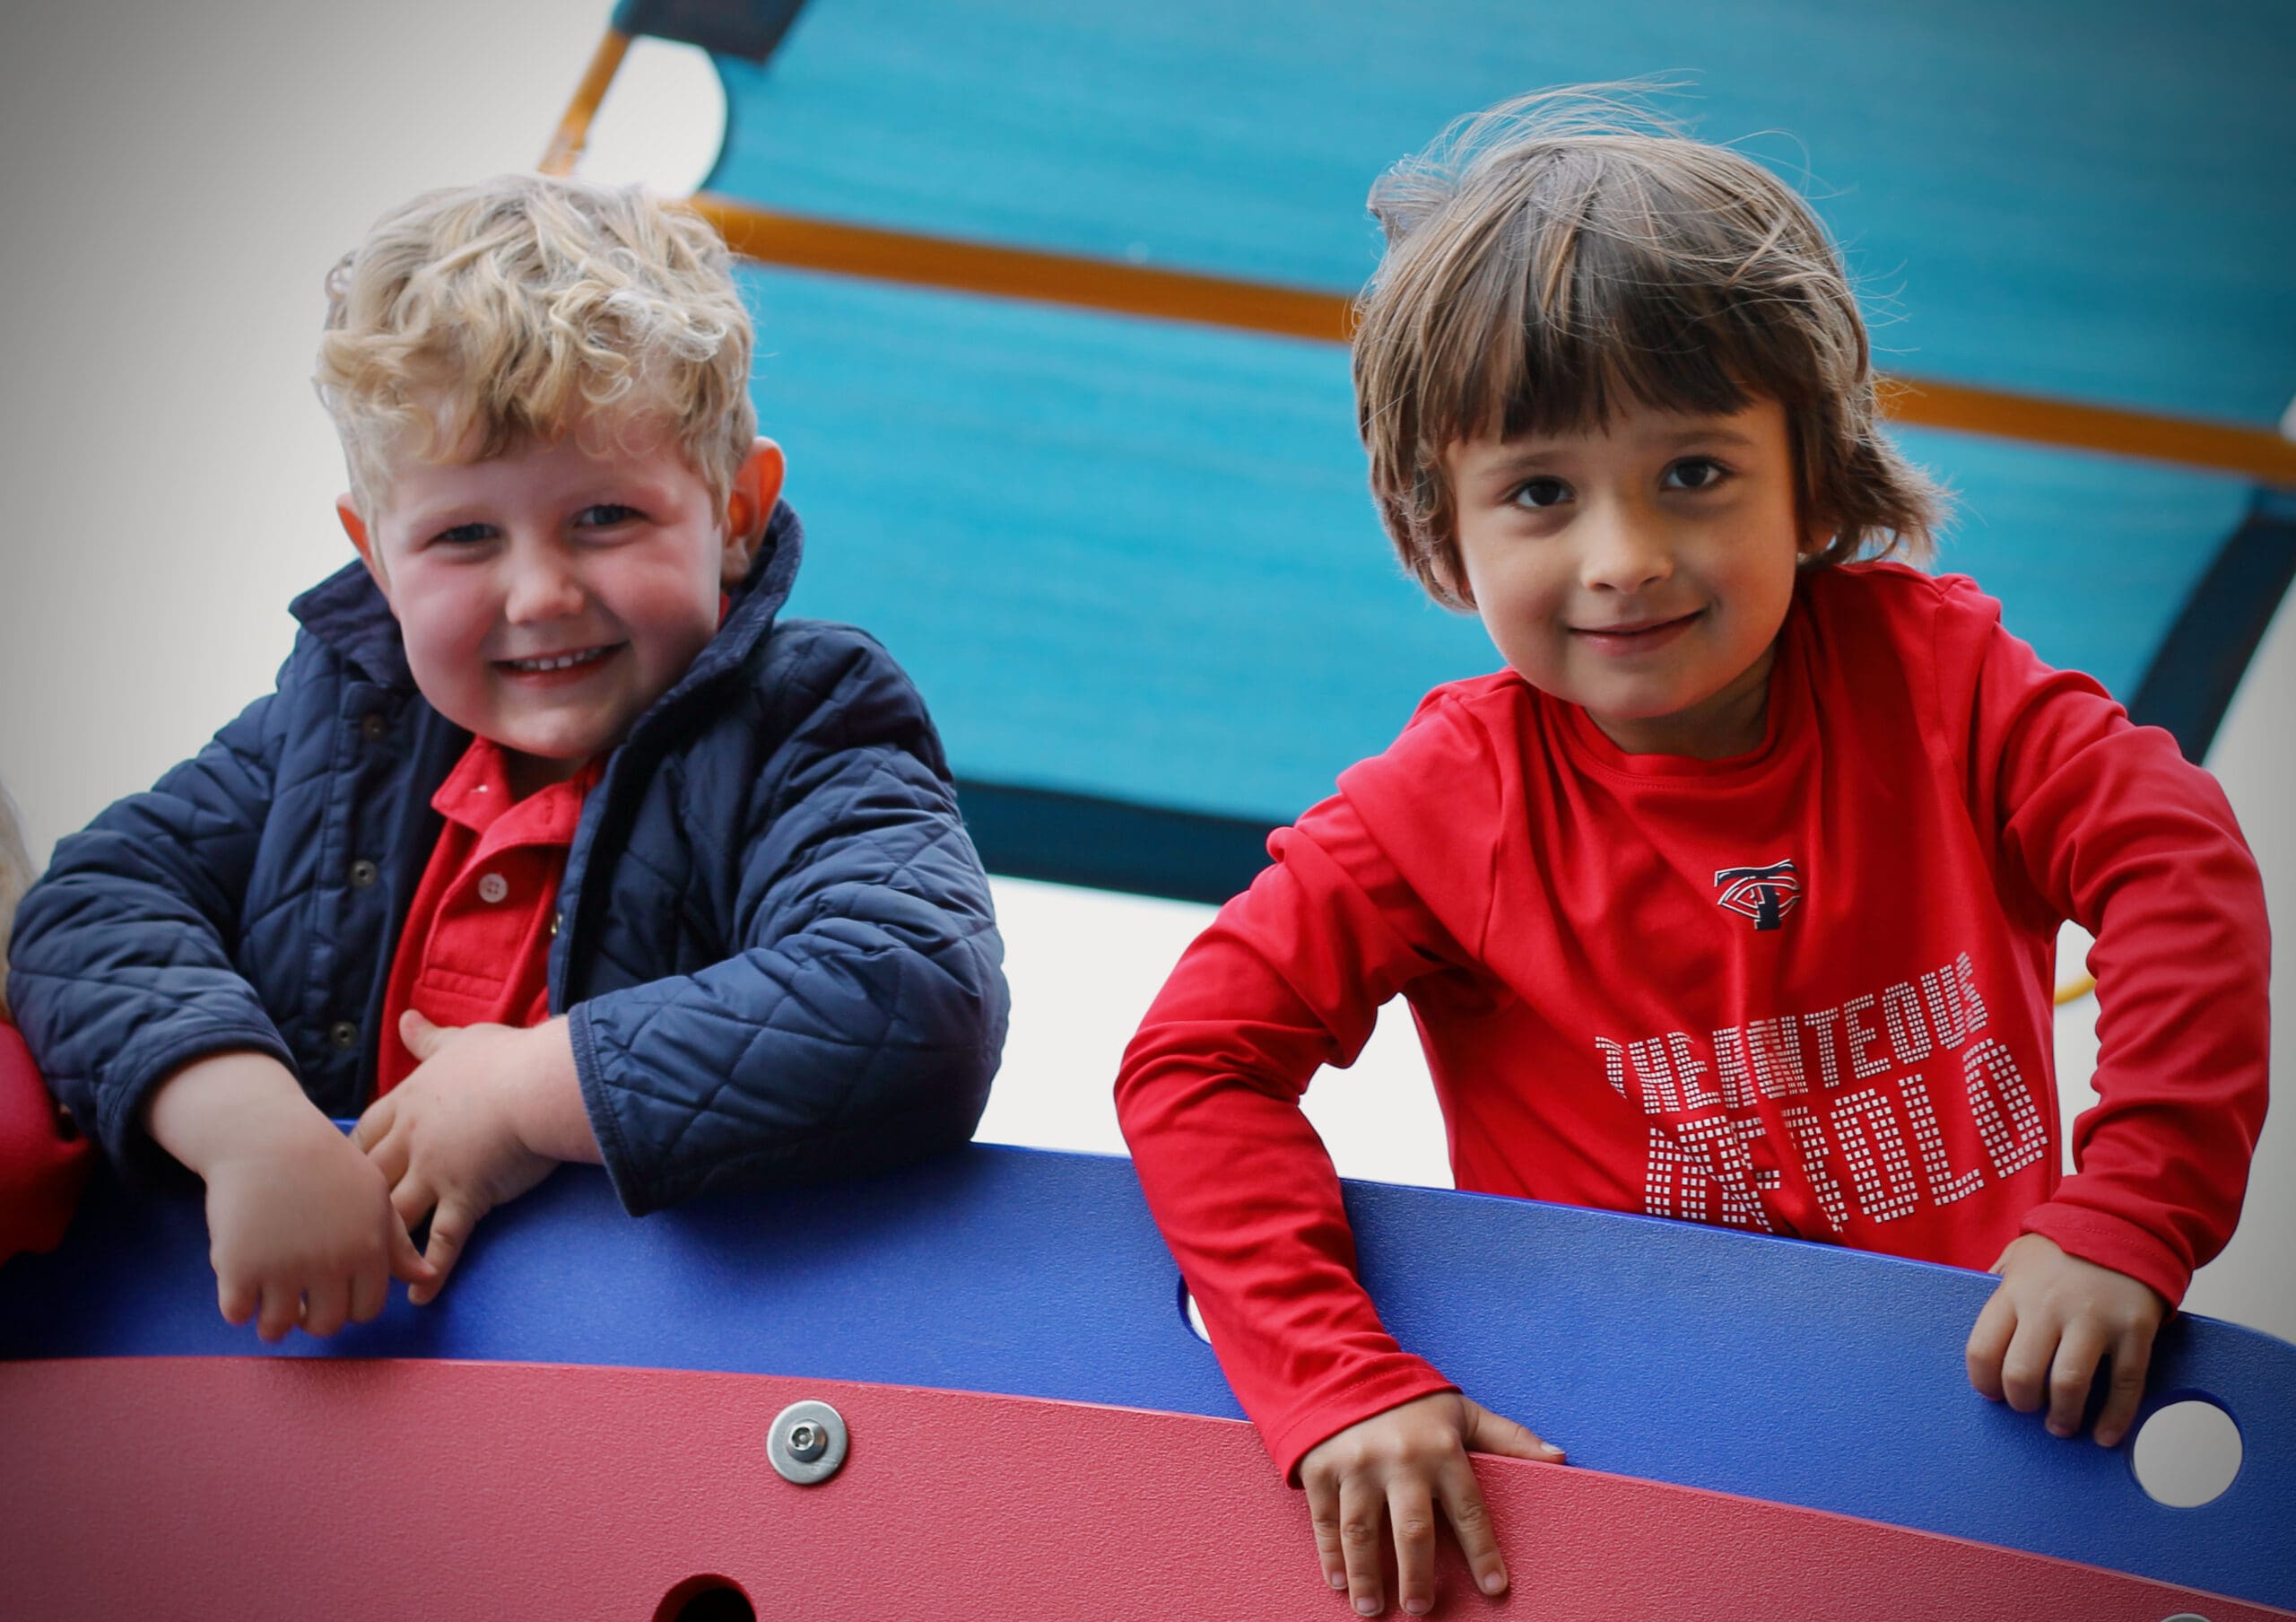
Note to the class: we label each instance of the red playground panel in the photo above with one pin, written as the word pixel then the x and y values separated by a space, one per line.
pixel 270 1487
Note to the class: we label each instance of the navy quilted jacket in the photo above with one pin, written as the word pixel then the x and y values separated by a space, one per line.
pixel 774 936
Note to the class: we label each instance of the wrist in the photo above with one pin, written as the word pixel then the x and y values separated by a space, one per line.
pixel 225 1105
pixel 546 1108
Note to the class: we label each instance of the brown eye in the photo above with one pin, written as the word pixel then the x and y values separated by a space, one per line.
pixel 1695 473
pixel 1541 493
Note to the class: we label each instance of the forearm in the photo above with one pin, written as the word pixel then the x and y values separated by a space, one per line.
pixel 2142 850
pixel 1250 1206
pixel 218 1106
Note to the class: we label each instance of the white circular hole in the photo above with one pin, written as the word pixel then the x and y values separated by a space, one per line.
pixel 1194 1317
pixel 662 122
pixel 2186 1454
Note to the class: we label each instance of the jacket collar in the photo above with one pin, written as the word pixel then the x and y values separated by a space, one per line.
pixel 346 611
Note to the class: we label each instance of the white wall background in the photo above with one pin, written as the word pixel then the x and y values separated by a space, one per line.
pixel 179 178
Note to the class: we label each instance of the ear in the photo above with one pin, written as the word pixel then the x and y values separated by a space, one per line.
pixel 355 527
pixel 749 507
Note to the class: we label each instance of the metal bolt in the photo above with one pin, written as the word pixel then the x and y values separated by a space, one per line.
pixel 806 1442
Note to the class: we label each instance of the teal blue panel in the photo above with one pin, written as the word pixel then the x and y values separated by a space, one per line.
pixel 2089 202
pixel 1119 558
pixel 2091 556
pixel 1137 561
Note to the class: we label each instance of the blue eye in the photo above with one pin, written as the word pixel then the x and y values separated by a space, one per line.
pixel 1541 493
pixel 464 534
pixel 604 515
pixel 1695 473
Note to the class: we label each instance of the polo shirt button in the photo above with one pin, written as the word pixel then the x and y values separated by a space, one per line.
pixel 372 726
pixel 342 1034
pixel 362 874
pixel 493 887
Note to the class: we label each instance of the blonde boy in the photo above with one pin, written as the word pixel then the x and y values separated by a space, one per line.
pixel 1734 896
pixel 555 842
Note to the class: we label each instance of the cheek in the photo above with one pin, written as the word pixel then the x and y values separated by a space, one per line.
pixel 671 604
pixel 443 622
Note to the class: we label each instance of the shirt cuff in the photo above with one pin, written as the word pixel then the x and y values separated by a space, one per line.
pixel 2112 1241
pixel 1391 1383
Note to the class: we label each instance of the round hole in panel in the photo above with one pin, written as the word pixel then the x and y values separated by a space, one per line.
pixel 1193 1315
pixel 662 122
pixel 2187 1453
pixel 708 1598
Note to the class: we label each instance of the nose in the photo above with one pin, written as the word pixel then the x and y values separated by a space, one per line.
pixel 542 584
pixel 1624 550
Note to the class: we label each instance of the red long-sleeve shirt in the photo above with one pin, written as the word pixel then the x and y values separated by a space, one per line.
pixel 1805 990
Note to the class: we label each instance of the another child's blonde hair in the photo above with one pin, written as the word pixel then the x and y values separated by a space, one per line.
pixel 15 879
pixel 1561 255
pixel 472 318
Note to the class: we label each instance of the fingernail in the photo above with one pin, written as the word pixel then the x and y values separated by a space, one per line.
pixel 1367 1606
pixel 1417 1608
pixel 1493 1581
pixel 1336 1579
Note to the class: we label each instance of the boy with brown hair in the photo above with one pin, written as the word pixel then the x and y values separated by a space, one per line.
pixel 556 842
pixel 1735 897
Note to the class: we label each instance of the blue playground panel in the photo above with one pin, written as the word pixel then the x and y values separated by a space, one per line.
pixel 1794 1373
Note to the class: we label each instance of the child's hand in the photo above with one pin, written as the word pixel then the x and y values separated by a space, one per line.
pixel 450 1139
pixel 2049 1321
pixel 1391 1470
pixel 301 1229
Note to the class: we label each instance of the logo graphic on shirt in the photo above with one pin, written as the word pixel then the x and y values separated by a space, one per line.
pixel 1765 894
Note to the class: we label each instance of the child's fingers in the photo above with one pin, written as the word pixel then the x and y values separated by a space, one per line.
pixel 389 1147
pixel 1488 1432
pixel 236 1298
pixel 1411 1511
pixel 1470 1519
pixel 412 1197
pixel 2026 1365
pixel 326 1306
pixel 1323 1515
pixel 422 1039
pixel 283 1308
pixel 2070 1373
pixel 1989 1344
pixel 371 1291
pixel 374 1125
pixel 450 1227
pixel 407 1261
pixel 1363 1517
pixel 2132 1354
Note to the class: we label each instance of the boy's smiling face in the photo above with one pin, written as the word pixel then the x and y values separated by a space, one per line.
pixel 1640 571
pixel 549 595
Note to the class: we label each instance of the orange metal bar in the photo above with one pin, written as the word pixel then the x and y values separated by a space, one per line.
pixel 1015 273
pixel 574 128
pixel 1021 273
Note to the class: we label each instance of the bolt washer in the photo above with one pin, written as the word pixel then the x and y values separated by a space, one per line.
pixel 806 1443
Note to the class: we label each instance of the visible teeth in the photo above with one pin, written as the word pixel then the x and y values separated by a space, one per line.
pixel 564 661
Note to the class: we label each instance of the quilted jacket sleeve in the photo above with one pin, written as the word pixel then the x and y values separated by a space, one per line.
pixel 859 1023
pixel 120 970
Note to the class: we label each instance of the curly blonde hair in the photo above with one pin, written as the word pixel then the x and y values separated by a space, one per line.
pixel 1566 252
pixel 475 317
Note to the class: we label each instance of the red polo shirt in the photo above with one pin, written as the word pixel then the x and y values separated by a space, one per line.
pixel 477 945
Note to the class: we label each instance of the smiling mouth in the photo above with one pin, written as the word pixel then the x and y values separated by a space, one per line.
pixel 1639 628
pixel 543 663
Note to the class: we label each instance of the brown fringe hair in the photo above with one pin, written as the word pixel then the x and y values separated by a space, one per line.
pixel 1566 253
